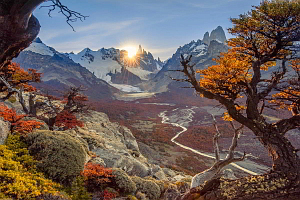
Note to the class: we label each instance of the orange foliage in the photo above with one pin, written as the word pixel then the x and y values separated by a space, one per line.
pixel 67 120
pixel 9 114
pixel 17 77
pixel 18 125
pixel 96 176
pixel 24 127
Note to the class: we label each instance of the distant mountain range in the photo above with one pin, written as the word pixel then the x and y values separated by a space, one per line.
pixel 202 52
pixel 60 72
pixel 113 65
pixel 106 71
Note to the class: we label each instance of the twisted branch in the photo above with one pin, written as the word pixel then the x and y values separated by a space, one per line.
pixel 71 15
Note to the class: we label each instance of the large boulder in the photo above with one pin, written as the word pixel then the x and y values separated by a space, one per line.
pixel 4 130
pixel 113 143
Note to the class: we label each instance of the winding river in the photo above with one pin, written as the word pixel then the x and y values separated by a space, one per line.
pixel 182 117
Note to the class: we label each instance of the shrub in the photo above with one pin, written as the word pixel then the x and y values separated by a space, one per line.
pixel 77 191
pixel 161 184
pixel 14 143
pixel 147 187
pixel 130 197
pixel 19 182
pixel 61 157
pixel 67 120
pixel 122 181
pixel 96 176
pixel 19 125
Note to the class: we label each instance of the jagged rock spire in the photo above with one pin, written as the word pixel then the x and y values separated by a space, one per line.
pixel 217 34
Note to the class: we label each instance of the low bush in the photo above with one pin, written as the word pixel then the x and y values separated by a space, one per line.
pixel 19 179
pixel 148 187
pixel 77 190
pixel 122 182
pixel 61 157
pixel 96 176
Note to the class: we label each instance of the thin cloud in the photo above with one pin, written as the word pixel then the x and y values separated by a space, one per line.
pixel 101 29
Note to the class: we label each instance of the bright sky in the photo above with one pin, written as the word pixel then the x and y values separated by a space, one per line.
pixel 160 26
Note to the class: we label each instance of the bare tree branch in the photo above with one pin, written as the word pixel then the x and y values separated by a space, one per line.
pixel 216 140
pixel 71 15
pixel 214 172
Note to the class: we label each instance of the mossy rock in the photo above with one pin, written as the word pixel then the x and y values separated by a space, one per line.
pixel 61 157
pixel 148 187
pixel 122 181
pixel 161 184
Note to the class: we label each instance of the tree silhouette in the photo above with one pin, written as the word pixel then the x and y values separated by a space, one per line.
pixel 265 39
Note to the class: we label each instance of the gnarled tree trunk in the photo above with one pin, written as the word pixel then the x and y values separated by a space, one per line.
pixel 281 183
pixel 18 27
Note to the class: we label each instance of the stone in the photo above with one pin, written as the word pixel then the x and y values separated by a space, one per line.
pixel 120 149
pixel 98 160
pixel 218 34
pixel 171 194
pixel 228 174
pixel 206 38
pixel 169 172
pixel 4 130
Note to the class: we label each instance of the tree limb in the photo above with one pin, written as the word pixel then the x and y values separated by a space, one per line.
pixel 71 15
pixel 216 140
pixel 285 125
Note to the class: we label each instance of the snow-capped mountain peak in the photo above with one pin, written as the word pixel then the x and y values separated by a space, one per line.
pixel 107 64
pixel 37 46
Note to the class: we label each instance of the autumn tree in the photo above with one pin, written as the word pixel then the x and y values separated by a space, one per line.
pixel 266 41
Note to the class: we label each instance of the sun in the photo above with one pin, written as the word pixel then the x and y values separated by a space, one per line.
pixel 131 50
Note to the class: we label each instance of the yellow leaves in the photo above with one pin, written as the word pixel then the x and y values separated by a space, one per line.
pixel 285 98
pixel 296 64
pixel 18 182
pixel 229 76
pixel 267 65
pixel 226 117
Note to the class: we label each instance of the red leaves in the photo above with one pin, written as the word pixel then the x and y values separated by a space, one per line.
pixel 23 127
pixel 9 114
pixel 18 125
pixel 67 120
pixel 96 176
pixel 18 77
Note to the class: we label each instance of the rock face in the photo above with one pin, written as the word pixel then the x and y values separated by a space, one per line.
pixel 4 130
pixel 60 72
pixel 217 34
pixel 118 147
pixel 206 38
pixel 202 52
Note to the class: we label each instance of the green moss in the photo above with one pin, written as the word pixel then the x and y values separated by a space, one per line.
pixel 61 157
pixel 122 181
pixel 12 99
pixel 161 184
pixel 77 190
pixel 148 187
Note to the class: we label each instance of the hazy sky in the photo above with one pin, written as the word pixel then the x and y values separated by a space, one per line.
pixel 160 26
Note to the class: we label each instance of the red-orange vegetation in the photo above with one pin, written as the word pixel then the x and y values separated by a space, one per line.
pixel 24 127
pixel 18 125
pixel 67 120
pixel 96 176
pixel 17 77
pixel 9 114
